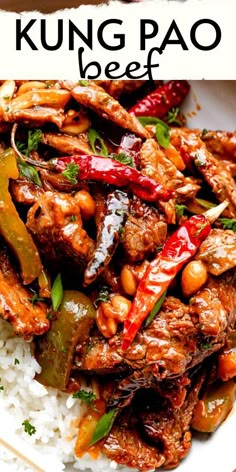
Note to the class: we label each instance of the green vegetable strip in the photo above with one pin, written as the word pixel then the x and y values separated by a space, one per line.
pixel 57 293
pixel 104 426
pixel 95 137
pixel 162 129
pixel 155 310
pixel 12 227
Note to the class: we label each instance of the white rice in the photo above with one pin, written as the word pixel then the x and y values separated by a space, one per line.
pixel 51 412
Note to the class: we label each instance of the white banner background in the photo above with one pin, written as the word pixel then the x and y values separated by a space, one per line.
pixel 173 63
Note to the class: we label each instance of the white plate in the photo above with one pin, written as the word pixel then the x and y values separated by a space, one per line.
pixel 217 99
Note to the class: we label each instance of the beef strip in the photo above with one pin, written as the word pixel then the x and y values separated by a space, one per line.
pixel 217 176
pixel 155 164
pixel 26 318
pixel 218 251
pixel 221 143
pixel 25 191
pixel 56 226
pixel 144 231
pixel 154 432
pixel 67 144
pixel 180 337
pixel 94 97
pixel 116 88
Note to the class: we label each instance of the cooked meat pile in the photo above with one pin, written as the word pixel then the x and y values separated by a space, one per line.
pixel 112 203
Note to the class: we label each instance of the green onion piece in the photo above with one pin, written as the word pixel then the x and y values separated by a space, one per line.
pixel 205 203
pixel 155 310
pixel 57 293
pixel 104 426
pixel 162 129
pixel 95 137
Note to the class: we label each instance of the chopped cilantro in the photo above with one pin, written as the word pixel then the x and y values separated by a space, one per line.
pixel 73 218
pixel 123 158
pixel 228 223
pixel 85 396
pixel 180 209
pixel 16 361
pixel 103 295
pixel 28 171
pixel 36 299
pixel 71 173
pixel 28 428
pixel 172 116
pixel 33 140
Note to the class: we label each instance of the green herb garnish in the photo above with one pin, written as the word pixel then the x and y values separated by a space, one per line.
pixel 33 141
pixel 57 292
pixel 180 209
pixel 28 171
pixel 36 299
pixel 228 223
pixel 155 310
pixel 73 218
pixel 94 140
pixel 28 428
pixel 84 83
pixel 16 361
pixel 71 173
pixel 206 346
pixel 1 387
pixel 172 116
pixel 103 295
pixel 162 129
pixel 199 160
pixel 123 158
pixel 204 131
pixel 86 397
pixel 104 426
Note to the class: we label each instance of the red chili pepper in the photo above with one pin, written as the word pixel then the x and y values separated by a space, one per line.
pixel 161 100
pixel 179 248
pixel 109 171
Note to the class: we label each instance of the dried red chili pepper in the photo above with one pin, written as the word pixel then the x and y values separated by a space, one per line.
pixel 180 247
pixel 162 99
pixel 109 171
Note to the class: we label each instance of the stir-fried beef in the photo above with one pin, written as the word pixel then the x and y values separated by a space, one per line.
pixel 66 144
pixel 180 337
pixel 217 176
pixel 155 164
pixel 144 231
pixel 56 226
pixel 24 191
pixel 221 143
pixel 97 99
pixel 157 422
pixel 26 318
pixel 116 88
pixel 218 251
